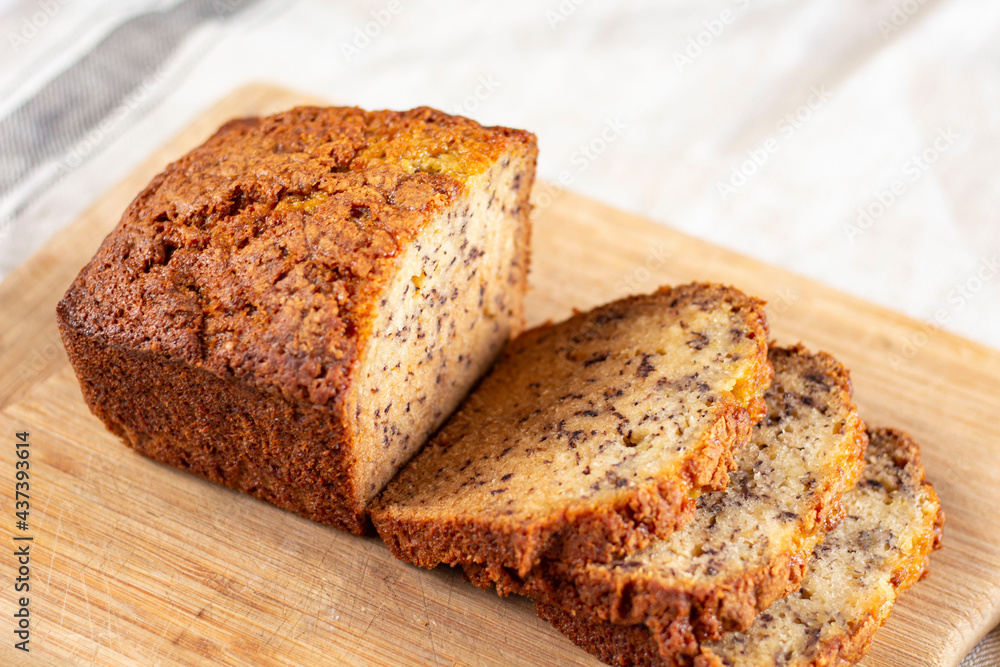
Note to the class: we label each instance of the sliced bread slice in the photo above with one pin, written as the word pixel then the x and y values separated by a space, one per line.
pixel 747 545
pixel 893 520
pixel 590 437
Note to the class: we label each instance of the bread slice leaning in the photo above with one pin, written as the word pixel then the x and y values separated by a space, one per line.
pixel 748 544
pixel 589 437
pixel 893 521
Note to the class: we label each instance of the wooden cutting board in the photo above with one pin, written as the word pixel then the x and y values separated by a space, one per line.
pixel 136 563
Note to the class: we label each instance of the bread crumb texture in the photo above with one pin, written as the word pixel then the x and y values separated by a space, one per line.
pixel 748 544
pixel 590 437
pixel 892 522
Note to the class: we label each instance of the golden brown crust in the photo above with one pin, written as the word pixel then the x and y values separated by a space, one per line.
pixel 305 471
pixel 678 616
pixel 618 645
pixel 227 260
pixel 841 643
pixel 591 532
pixel 247 278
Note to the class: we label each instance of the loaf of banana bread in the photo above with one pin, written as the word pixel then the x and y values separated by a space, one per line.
pixel 294 306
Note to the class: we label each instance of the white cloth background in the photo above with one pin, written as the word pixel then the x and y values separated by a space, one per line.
pixel 853 141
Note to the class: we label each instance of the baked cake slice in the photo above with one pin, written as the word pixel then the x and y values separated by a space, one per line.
pixel 590 437
pixel 294 306
pixel 893 520
pixel 747 545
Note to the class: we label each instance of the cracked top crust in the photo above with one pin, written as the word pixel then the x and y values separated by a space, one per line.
pixel 589 437
pixel 261 254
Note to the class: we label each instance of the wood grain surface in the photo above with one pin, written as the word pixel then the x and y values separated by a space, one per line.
pixel 136 563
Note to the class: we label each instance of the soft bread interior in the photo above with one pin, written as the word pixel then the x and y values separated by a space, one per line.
pixel 454 303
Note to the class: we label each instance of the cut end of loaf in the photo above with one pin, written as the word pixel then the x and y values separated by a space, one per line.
pixel 454 303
